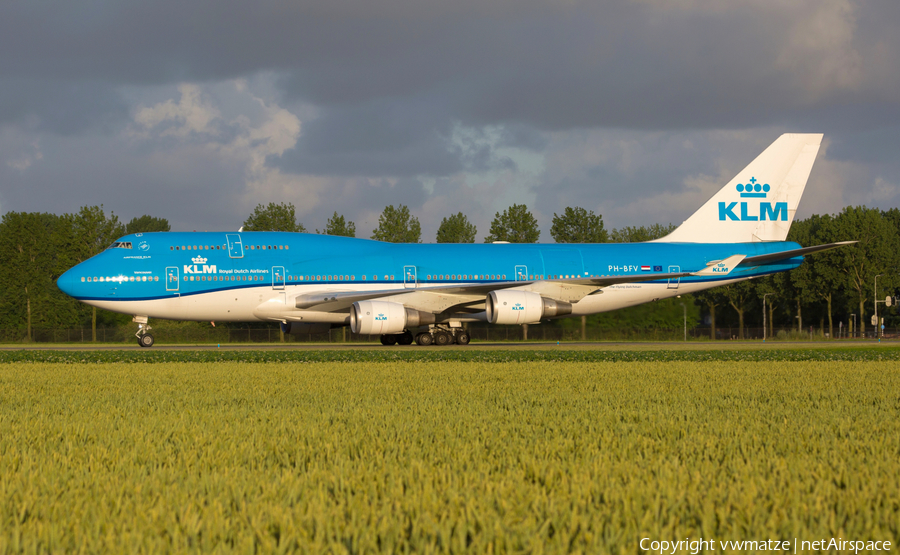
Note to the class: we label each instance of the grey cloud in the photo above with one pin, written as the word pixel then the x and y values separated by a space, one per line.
pixel 379 138
pixel 621 64
pixel 60 106
pixel 387 85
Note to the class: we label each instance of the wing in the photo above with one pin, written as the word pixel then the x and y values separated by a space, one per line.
pixel 471 298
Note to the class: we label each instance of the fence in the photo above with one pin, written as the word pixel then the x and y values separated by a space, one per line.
pixel 490 334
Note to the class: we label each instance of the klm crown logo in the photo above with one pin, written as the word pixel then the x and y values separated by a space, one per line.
pixel 381 317
pixel 518 307
pixel 753 189
pixel 767 210
pixel 199 266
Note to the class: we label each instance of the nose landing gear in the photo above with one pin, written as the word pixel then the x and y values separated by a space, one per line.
pixel 144 338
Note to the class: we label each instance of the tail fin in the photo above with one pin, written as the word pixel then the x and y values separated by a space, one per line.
pixel 760 202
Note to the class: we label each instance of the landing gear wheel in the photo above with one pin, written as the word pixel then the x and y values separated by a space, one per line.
pixel 462 338
pixel 424 339
pixel 145 340
pixel 442 338
pixel 388 339
pixel 405 338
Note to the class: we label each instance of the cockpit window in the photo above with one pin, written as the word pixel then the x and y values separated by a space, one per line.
pixel 121 245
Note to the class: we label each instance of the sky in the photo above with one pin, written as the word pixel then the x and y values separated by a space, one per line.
pixel 638 110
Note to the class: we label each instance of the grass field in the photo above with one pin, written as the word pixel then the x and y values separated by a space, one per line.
pixel 444 457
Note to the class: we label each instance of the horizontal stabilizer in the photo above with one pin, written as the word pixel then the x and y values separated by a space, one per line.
pixel 723 267
pixel 784 255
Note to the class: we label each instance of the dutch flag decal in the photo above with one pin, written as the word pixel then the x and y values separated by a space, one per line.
pixel 645 268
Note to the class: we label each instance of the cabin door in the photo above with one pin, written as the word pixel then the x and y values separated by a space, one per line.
pixel 235 247
pixel 673 282
pixel 521 273
pixel 410 279
pixel 172 278
pixel 278 278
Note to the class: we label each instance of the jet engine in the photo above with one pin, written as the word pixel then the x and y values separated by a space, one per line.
pixel 522 307
pixel 382 317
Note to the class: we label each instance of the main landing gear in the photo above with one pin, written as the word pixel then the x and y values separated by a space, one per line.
pixel 437 335
pixel 144 337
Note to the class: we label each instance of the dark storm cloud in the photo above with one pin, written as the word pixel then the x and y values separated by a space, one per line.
pixel 396 92
pixel 553 65
pixel 376 138
pixel 61 106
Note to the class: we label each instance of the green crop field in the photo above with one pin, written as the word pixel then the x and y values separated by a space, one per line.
pixel 432 456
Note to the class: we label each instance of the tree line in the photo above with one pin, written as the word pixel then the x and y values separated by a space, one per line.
pixel 830 288
pixel 516 224
pixel 37 247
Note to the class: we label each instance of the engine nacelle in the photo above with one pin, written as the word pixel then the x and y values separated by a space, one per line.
pixel 381 317
pixel 522 307
pixel 305 328
pixel 514 307
pixel 377 317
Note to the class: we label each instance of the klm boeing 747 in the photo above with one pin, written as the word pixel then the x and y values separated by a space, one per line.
pixel 425 292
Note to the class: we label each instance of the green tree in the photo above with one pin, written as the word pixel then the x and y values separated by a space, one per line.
pixel 877 252
pixel 631 234
pixel 817 279
pixel 28 270
pixel 90 232
pixel 274 217
pixel 578 225
pixel 515 225
pixel 768 294
pixel 737 295
pixel 147 224
pixel 396 225
pixel 711 298
pixel 456 229
pixel 93 231
pixel 338 226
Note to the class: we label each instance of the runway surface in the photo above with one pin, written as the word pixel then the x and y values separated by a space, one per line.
pixel 619 346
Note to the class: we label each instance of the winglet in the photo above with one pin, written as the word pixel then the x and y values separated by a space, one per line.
pixel 723 267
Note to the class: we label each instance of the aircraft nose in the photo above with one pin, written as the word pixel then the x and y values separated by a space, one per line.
pixel 68 283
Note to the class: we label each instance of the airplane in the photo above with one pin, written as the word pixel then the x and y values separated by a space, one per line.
pixel 403 292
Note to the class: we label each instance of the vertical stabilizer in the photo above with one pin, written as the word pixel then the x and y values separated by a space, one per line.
pixel 760 202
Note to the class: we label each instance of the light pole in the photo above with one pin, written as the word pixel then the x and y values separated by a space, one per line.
pixel 764 316
pixel 854 330
pixel 877 335
pixel 685 320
